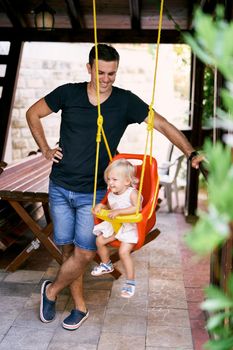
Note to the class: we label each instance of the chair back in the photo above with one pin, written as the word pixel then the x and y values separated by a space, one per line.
pixel 175 168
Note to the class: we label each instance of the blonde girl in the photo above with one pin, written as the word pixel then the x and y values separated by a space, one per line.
pixel 122 200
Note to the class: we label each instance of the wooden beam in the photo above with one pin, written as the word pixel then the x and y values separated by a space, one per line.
pixel 8 90
pixel 86 35
pixel 15 18
pixel 135 13
pixel 75 14
pixel 191 7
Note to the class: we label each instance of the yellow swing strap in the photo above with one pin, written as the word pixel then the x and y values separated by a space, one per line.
pixel 100 129
pixel 150 125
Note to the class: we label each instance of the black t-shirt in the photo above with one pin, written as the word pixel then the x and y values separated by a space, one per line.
pixel 76 170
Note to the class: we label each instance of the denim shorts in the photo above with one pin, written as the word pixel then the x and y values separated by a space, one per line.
pixel 72 218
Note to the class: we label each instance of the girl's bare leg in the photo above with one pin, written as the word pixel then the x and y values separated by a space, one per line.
pixel 103 250
pixel 125 256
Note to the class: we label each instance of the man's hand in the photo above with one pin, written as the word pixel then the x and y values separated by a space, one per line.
pixel 54 154
pixel 195 162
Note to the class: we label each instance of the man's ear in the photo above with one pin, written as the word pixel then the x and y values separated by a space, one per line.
pixel 88 68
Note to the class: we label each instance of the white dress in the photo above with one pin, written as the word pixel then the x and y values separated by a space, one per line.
pixel 128 231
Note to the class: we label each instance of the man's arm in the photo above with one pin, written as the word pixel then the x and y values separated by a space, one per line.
pixel 176 137
pixel 39 110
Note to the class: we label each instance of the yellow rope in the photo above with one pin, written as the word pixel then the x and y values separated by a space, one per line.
pixel 96 60
pixel 150 116
pixel 100 119
pixel 106 145
pixel 157 50
pixel 154 199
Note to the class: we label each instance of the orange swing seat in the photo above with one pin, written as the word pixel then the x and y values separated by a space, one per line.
pixel 146 218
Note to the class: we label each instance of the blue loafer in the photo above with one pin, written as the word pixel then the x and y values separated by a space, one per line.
pixel 47 307
pixel 75 319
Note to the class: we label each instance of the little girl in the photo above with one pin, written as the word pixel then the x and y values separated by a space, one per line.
pixel 122 200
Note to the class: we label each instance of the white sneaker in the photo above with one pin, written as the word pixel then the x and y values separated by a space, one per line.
pixel 101 269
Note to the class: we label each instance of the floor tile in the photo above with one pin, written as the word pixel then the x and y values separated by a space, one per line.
pixel 10 306
pixel 85 335
pixel 168 317
pixel 163 336
pixel 166 273
pixel 167 294
pixel 124 324
pixel 3 275
pixel 22 276
pixel 194 294
pixel 117 341
pixel 22 339
pixel 16 289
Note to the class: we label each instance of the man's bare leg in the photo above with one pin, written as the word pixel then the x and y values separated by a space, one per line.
pixel 76 288
pixel 70 274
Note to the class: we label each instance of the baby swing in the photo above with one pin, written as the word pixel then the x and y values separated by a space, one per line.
pixel 146 171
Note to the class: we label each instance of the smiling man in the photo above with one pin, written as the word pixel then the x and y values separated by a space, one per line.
pixel 72 175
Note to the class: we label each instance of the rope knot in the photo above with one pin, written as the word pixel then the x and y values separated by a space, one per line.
pixel 150 124
pixel 100 120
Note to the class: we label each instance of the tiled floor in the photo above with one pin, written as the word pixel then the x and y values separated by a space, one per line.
pixel 164 314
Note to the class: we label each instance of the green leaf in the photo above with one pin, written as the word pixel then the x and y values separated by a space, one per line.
pixel 212 42
pixel 224 119
pixel 204 56
pixel 216 304
pixel 217 299
pixel 220 344
pixel 213 292
pixel 230 286
pixel 219 157
pixel 227 100
pixel 217 320
pixel 220 180
pixel 207 234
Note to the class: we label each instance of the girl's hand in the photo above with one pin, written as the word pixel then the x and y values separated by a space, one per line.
pixel 113 213
pixel 97 208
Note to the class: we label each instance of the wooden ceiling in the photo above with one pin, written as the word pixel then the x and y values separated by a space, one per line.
pixel 117 20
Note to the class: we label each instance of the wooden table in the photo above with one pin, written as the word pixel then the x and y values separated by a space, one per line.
pixel 24 182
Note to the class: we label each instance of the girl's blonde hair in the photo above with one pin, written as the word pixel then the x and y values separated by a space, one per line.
pixel 127 169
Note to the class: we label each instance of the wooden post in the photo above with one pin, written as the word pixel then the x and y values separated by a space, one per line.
pixel 196 134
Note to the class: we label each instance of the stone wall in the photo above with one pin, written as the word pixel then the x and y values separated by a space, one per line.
pixel 45 66
pixel 36 79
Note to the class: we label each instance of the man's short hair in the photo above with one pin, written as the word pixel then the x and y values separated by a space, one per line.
pixel 105 53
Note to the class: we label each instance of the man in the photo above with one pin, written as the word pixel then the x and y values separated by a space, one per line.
pixel 72 175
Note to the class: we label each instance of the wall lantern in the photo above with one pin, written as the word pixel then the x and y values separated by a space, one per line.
pixel 44 17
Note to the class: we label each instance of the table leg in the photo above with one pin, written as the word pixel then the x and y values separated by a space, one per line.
pixel 23 256
pixel 41 233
